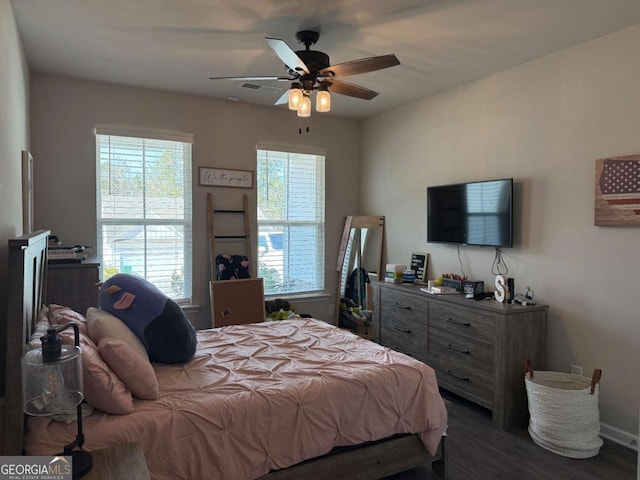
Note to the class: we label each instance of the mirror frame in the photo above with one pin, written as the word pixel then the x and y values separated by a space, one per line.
pixel 351 223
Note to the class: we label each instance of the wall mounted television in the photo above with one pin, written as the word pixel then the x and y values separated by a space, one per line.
pixel 475 213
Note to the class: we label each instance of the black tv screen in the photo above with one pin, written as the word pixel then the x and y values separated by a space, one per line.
pixel 476 213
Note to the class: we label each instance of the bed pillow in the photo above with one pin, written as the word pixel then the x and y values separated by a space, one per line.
pixel 103 325
pixel 158 322
pixel 61 315
pixel 135 370
pixel 101 386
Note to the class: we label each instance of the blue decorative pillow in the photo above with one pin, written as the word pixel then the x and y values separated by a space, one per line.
pixel 159 323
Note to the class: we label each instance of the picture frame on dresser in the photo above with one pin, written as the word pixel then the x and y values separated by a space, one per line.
pixel 420 263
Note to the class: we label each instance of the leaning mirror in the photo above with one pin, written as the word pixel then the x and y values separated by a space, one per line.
pixel 359 263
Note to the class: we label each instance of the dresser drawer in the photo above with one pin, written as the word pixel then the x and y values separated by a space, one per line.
pixel 471 324
pixel 464 364
pixel 403 325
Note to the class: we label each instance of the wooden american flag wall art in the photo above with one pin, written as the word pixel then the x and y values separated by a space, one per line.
pixel 617 199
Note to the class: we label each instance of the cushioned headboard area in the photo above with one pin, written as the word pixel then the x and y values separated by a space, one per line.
pixel 27 273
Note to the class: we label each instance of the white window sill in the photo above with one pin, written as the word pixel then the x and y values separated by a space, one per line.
pixel 301 297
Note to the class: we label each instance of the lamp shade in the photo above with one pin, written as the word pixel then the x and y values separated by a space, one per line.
pixel 52 384
pixel 323 100
pixel 52 387
pixel 295 96
pixel 305 107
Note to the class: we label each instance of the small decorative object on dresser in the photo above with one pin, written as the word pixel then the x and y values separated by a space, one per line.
pixel 419 263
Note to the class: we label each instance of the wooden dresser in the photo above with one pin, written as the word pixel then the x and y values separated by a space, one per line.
pixel 73 285
pixel 475 347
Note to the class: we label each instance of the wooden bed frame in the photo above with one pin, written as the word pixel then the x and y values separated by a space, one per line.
pixel 27 271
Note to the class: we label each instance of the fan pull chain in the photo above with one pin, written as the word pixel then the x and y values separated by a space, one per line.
pixel 307 129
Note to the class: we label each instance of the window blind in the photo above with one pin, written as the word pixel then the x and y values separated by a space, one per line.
pixel 144 210
pixel 291 221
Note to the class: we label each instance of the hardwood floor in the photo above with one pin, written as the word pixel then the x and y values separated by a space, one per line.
pixel 478 451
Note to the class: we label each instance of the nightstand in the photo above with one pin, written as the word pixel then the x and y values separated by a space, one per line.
pixel 73 285
pixel 119 462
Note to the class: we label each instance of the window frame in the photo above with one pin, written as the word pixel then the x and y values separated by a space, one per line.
pixel 185 222
pixel 319 284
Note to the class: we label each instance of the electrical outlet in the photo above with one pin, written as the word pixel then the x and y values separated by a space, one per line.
pixel 576 370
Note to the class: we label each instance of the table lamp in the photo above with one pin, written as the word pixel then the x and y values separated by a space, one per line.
pixel 52 384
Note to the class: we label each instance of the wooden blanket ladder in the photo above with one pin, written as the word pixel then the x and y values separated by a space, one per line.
pixel 214 214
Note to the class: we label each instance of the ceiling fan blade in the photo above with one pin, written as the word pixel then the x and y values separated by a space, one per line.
pixel 287 55
pixel 283 99
pixel 363 65
pixel 349 89
pixel 281 79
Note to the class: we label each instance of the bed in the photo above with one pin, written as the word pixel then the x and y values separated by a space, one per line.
pixel 271 400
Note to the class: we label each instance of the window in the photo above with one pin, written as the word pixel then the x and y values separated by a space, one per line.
pixel 144 208
pixel 290 220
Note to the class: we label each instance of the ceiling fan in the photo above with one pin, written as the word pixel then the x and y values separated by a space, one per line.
pixel 311 70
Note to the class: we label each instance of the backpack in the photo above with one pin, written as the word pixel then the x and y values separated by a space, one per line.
pixel 352 291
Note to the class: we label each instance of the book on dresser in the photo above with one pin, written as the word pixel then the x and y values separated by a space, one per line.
pixel 475 347
pixel 66 253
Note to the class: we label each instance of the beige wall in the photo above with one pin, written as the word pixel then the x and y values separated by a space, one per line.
pixel 543 123
pixel 64 113
pixel 14 132
pixel 14 137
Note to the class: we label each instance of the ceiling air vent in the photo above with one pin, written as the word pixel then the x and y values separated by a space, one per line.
pixel 263 89
pixel 250 86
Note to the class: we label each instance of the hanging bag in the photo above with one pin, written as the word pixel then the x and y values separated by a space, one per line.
pixel 563 411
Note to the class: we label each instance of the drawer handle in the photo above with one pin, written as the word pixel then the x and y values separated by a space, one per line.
pixel 455 322
pixel 400 329
pixel 399 305
pixel 459 377
pixel 453 347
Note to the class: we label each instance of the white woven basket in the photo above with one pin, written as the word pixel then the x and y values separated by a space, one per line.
pixel 563 410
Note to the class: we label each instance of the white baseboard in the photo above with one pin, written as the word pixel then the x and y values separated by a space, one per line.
pixel 621 437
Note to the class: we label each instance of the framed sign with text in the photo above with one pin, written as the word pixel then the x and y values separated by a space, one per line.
pixel 419 263
pixel 224 177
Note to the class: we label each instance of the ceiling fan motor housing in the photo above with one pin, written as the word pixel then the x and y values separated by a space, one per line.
pixel 314 60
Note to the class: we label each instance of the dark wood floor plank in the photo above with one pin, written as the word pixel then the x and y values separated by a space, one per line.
pixel 478 451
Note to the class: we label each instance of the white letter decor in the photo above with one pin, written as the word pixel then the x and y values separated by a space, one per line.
pixel 500 288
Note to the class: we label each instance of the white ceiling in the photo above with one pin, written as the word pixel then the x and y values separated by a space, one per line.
pixel 176 45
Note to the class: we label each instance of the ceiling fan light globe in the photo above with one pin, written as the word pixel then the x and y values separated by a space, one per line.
pixel 323 101
pixel 305 107
pixel 295 98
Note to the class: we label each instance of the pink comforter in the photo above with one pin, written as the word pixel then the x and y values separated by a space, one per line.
pixel 265 396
